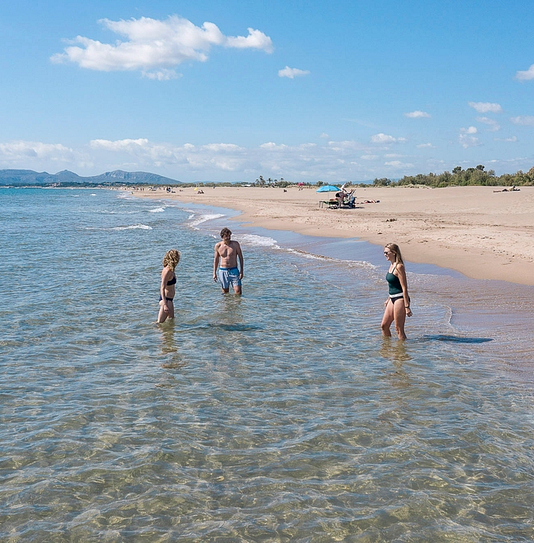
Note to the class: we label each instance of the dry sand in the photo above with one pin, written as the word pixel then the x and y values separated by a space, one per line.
pixel 474 230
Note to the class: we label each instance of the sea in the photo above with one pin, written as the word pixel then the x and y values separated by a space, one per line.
pixel 279 416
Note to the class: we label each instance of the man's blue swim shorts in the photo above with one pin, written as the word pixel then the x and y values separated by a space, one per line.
pixel 229 276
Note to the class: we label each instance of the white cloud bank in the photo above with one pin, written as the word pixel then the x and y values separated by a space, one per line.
pixel 291 73
pixel 525 75
pixel 398 164
pixel 485 107
pixel 523 120
pixel 385 138
pixel 220 161
pixel 155 47
pixel 418 115
pixel 30 150
pixel 332 161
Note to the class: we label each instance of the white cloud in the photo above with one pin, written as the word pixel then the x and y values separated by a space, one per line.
pixel 466 138
pixel 35 151
pixel 369 157
pixel 345 146
pixel 224 147
pixel 425 146
pixel 485 107
pixel 398 164
pixel 418 115
pixel 155 47
pixel 525 75
pixel 385 138
pixel 119 145
pixel 324 135
pixel 493 125
pixel 291 73
pixel 162 75
pixel 513 139
pixel 254 40
pixel 272 145
pixel 523 120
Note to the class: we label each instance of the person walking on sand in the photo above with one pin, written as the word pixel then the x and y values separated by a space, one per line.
pixel 167 288
pixel 225 269
pixel 397 306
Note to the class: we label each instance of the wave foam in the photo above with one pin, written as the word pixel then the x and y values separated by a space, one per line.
pixel 133 227
pixel 194 222
pixel 351 263
pixel 258 241
pixel 157 210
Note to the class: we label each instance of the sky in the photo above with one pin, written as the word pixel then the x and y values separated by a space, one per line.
pixel 307 91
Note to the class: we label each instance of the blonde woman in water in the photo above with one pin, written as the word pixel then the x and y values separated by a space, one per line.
pixel 398 303
pixel 167 288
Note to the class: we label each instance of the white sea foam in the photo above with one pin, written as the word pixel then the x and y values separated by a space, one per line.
pixel 115 212
pixel 350 263
pixel 157 210
pixel 126 196
pixel 196 220
pixel 133 227
pixel 258 241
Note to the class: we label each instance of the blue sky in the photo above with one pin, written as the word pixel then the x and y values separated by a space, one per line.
pixel 227 91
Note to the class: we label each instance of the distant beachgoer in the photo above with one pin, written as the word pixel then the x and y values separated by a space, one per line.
pixel 225 269
pixel 167 288
pixel 340 197
pixel 397 306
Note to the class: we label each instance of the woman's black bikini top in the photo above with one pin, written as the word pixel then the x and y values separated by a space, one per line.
pixel 172 281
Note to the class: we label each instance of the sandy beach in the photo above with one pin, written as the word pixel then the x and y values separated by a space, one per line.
pixel 477 231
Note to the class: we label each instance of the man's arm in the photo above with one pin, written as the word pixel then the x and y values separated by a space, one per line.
pixel 216 262
pixel 241 261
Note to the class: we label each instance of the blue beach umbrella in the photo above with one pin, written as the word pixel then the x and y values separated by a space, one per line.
pixel 328 188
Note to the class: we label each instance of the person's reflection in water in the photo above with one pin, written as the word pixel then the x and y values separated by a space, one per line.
pixel 394 351
pixel 169 349
pixel 397 353
pixel 228 334
pixel 229 311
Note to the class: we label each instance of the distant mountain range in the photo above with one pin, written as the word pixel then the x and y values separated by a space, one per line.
pixel 65 178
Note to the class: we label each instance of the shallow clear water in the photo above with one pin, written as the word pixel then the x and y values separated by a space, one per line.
pixel 280 416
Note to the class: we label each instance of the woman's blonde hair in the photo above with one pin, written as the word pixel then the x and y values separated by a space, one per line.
pixel 171 258
pixel 394 248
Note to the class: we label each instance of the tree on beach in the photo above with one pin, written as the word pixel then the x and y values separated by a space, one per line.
pixel 382 182
pixel 459 177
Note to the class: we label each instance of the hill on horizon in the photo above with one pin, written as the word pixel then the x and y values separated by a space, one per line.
pixel 30 177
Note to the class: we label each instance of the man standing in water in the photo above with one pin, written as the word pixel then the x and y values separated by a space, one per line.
pixel 227 252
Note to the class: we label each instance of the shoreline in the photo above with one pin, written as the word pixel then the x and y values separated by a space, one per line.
pixel 473 230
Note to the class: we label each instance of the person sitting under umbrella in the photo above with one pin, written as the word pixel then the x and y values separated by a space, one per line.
pixel 342 194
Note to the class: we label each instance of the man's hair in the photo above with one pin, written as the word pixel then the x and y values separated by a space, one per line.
pixel 225 232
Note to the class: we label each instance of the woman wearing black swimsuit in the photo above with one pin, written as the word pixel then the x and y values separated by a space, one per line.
pixel 398 302
pixel 167 288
